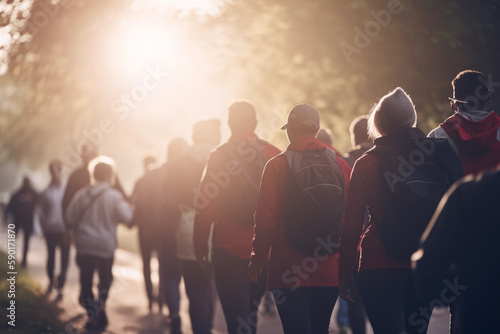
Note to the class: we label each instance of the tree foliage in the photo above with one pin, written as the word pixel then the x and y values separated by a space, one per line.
pixel 340 56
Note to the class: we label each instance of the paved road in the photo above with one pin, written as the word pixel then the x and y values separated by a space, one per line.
pixel 127 306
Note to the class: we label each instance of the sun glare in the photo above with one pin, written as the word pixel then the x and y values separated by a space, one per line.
pixel 143 45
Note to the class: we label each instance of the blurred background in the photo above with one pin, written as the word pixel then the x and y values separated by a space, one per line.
pixel 129 75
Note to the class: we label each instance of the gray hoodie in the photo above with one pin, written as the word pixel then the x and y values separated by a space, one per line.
pixel 93 214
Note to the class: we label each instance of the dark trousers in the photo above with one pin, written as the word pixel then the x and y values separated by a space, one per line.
pixel 239 296
pixel 170 277
pixel 391 302
pixel 306 310
pixel 148 244
pixel 57 240
pixel 88 264
pixel 199 289
pixel 357 317
pixel 356 313
pixel 27 228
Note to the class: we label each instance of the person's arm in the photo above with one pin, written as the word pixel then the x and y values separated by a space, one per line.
pixel 43 209
pixel 269 212
pixel 207 206
pixel 123 210
pixel 118 186
pixel 73 211
pixel 69 192
pixel 9 208
pixel 351 231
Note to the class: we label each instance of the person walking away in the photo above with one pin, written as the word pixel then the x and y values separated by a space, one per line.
pixel 325 136
pixel 183 179
pixel 22 206
pixel 80 177
pixel 360 144
pixel 144 199
pixel 458 262
pixel 148 163
pixel 93 215
pixel 297 220
pixel 54 230
pixel 359 139
pixel 473 132
pixel 400 181
pixel 226 202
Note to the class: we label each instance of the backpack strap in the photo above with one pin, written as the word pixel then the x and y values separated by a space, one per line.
pixel 88 206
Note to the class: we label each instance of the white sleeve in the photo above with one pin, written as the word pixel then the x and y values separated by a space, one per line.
pixel 439 132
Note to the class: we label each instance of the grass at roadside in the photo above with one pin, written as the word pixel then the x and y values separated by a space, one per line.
pixel 33 313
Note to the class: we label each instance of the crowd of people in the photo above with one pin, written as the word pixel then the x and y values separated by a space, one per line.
pixel 402 223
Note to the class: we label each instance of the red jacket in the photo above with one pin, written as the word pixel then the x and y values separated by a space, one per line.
pixel 364 190
pixel 288 268
pixel 227 234
pixel 478 141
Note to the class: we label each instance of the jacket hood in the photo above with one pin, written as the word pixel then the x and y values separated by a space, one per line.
pixel 97 188
pixel 474 137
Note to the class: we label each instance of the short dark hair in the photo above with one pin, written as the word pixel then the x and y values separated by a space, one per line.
pixel 471 87
pixel 242 116
pixel 103 172
pixel 359 130
pixel 102 169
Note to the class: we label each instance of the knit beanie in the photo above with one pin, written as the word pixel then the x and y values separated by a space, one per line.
pixel 393 112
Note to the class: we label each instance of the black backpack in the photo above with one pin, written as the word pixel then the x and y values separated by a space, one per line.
pixel 416 173
pixel 316 198
pixel 239 196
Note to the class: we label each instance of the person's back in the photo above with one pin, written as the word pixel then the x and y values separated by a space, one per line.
pixel 359 140
pixel 93 215
pixel 95 231
pixel 22 207
pixel 182 179
pixel 23 203
pixel 80 177
pixel 226 200
pixel 52 221
pixel 298 214
pixel 384 181
pixel 460 247
pixel 473 132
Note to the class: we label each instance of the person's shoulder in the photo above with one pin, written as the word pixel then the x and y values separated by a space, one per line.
pixel 277 161
pixel 438 132
pixel 112 192
pixel 270 147
pixel 366 161
pixel 81 193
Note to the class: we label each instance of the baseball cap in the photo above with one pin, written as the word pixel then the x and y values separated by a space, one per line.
pixel 302 116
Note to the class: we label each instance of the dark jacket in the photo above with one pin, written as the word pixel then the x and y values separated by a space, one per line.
pixel 22 206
